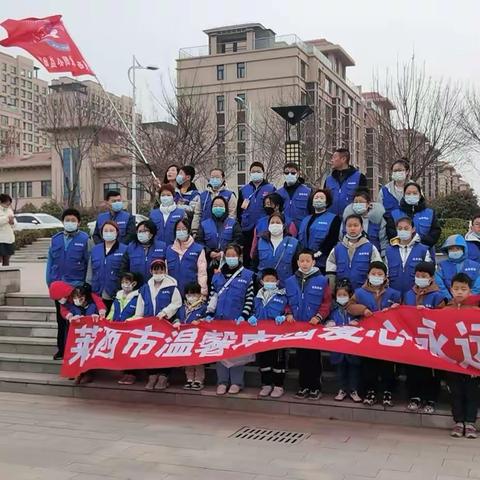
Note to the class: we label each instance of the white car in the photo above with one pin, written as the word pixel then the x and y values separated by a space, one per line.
pixel 138 218
pixel 36 221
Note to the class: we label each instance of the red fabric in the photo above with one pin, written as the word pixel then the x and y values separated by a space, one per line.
pixel 64 311
pixel 440 339
pixel 48 41
pixel 59 290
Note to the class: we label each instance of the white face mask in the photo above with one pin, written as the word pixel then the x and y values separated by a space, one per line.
pixel 342 300
pixel 191 299
pixel 78 302
pixel 276 229
pixel 421 282
pixel 399 176
pixel 127 287
pixel 158 277
pixel 375 280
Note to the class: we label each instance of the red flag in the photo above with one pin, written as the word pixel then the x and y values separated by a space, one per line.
pixel 48 41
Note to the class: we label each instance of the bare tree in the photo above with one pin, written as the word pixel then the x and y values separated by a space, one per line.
pixel 470 119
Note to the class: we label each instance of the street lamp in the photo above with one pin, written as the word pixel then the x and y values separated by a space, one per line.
pixel 131 77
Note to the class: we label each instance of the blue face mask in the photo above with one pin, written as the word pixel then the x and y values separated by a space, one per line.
pixel 143 237
pixel 359 208
pixel 215 182
pixel 117 206
pixel 256 176
pixel 166 200
pixel 375 280
pixel 180 179
pixel 181 235
pixel 319 204
pixel 455 255
pixel 270 285
pixel 404 234
pixel 109 236
pixel 290 178
pixel 422 282
pixel 412 199
pixel 70 226
pixel 232 262
pixel 218 212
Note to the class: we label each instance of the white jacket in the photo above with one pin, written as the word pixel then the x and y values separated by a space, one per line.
pixel 171 309
pixel 6 230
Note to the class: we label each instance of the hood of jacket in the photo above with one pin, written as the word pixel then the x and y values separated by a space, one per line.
pixel 129 296
pixel 433 287
pixel 265 295
pixel 374 214
pixel 353 246
pixel 456 241
pixel 472 237
pixel 299 274
pixel 168 281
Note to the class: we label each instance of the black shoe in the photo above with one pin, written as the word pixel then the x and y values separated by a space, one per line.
pixel 370 398
pixel 387 399
pixel 188 385
pixel 302 393
pixel 58 356
pixel 315 394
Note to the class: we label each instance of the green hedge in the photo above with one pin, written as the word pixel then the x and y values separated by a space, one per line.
pixel 452 226
pixel 27 237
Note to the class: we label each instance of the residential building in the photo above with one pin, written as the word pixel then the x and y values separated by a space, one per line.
pixel 22 107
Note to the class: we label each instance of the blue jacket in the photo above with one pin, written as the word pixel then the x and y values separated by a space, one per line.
pixel 281 260
pixel 342 319
pixel 184 270
pixel 402 277
pixel 214 239
pixel 429 300
pixel 206 202
pixel 272 308
pixel 389 201
pixel 185 198
pixel 154 306
pixel 165 231
pixel 128 311
pixel 296 206
pixel 68 258
pixel 305 296
pixel 356 270
pixel 342 193
pixel 231 299
pixel 140 258
pixel 473 246
pixel 106 268
pixel 196 314
pixel 90 309
pixel 123 219
pixel 367 298
pixel 250 215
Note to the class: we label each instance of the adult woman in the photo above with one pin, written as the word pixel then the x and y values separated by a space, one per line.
pixel 391 193
pixel 319 230
pixel 7 237
pixel 186 261
pixel 143 251
pixel 106 262
pixel 170 176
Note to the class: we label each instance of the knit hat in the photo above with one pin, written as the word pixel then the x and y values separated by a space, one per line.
pixel 59 290
pixel 426 267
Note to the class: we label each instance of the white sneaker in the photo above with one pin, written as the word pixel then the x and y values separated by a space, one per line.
pixel 277 392
pixel 234 389
pixel 341 396
pixel 152 380
pixel 265 391
pixel 355 397
pixel 221 389
pixel 162 383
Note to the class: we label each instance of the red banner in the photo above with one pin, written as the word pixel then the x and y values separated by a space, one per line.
pixel 48 41
pixel 440 339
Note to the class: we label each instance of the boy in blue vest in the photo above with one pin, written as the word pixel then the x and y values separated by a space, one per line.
pixel 403 254
pixel 68 262
pixel 309 299
pixel 348 366
pixel 186 193
pixel 115 213
pixel 375 296
pixel 473 239
pixel 269 304
pixel 455 247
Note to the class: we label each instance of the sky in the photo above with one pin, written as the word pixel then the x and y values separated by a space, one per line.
pixel 376 33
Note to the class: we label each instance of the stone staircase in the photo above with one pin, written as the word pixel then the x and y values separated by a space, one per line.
pixel 36 252
pixel 28 341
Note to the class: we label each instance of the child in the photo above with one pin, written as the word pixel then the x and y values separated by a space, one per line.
pixel 375 296
pixel 473 239
pixel 348 366
pixel 309 300
pixel 270 303
pixel 351 257
pixel 425 292
pixel 455 247
pixel 463 388
pixel 160 298
pixel 193 310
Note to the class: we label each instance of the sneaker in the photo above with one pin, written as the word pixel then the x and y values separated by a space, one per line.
pixel 470 430
pixel 58 356
pixel 188 385
pixel 221 389
pixel 127 379
pixel 457 430
pixel 341 396
pixel 152 380
pixel 315 395
pixel 413 404
pixel 370 398
pixel 387 399
pixel 277 392
pixel 197 385
pixel 234 389
pixel 265 391
pixel 302 393
pixel 355 397
pixel 162 383
pixel 429 408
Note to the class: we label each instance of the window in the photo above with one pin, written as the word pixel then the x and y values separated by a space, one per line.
pixel 220 72
pixel 6 188
pixel 25 219
pixel 220 103
pixel 110 186
pixel 29 189
pixel 303 69
pixel 241 101
pixel 4 120
pixel 241 70
pixel 46 187
pixel 14 189
pixel 13 70
pixel 241 133
pixel 29 74
pixel 21 189
pixel 220 133
pixel 241 163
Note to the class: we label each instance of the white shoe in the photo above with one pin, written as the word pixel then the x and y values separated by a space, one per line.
pixel 265 391
pixel 234 389
pixel 341 396
pixel 152 380
pixel 221 389
pixel 162 383
pixel 277 392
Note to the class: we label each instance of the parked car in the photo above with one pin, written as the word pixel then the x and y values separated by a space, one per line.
pixel 138 218
pixel 36 221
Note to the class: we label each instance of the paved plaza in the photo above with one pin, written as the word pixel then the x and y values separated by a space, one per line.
pixel 58 438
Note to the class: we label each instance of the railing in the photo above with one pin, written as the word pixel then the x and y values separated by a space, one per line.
pixel 191 52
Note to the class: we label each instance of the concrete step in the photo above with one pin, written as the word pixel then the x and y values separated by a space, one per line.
pixel 33 363
pixel 106 389
pixel 28 345
pixel 40 314
pixel 28 300
pixel 27 328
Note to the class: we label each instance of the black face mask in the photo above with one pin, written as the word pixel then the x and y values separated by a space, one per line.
pixel 269 210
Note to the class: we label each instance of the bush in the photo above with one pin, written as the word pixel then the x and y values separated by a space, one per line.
pixel 463 204
pixel 28 208
pixel 27 237
pixel 52 208
pixel 452 226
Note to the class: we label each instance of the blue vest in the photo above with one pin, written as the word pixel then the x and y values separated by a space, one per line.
pixel 402 278
pixel 231 299
pixel 195 314
pixel 69 265
pixel 272 309
pixel 389 201
pixel 184 271
pixel 342 319
pixel 430 300
pixel 106 269
pixel 162 300
pixel 421 220
pixel 90 309
pixel 214 239
pixel 343 193
pixel 206 202
pixel 473 250
pixel 185 198
pixel 128 311
pixel 262 224
pixel 373 233
pixel 254 211
pixel 141 259
pixel 355 270
pixel 448 270
pixel 120 218
pixel 316 234
pixel 305 302
pixel 165 231
pixel 366 298
pixel 281 260
pixel 296 207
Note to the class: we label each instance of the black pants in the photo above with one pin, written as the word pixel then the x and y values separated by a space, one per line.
pixel 422 383
pixel 108 305
pixel 155 371
pixel 378 375
pixel 247 246
pixel 62 330
pixel 273 366
pixel 309 364
pixel 464 397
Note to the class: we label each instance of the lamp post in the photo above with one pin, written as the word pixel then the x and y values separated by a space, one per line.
pixel 131 77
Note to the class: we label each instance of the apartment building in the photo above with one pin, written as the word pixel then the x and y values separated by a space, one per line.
pixel 22 106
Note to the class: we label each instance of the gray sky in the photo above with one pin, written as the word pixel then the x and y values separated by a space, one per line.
pixel 376 33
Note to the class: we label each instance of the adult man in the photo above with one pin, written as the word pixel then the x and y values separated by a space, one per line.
pixel 186 193
pixel 343 181
pixel 125 221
